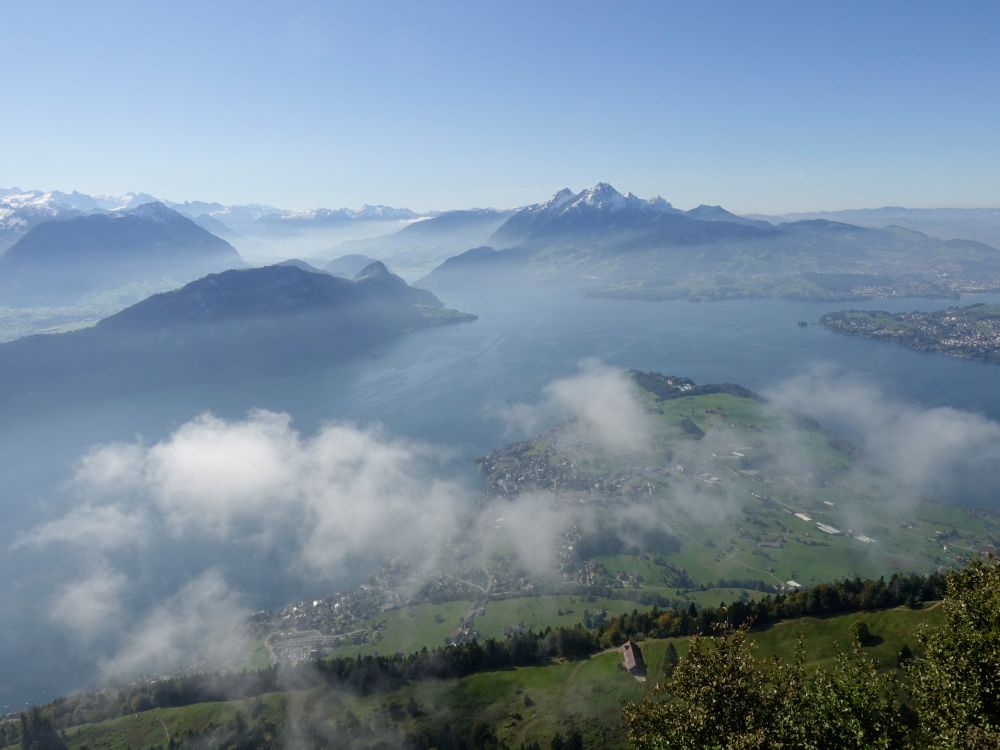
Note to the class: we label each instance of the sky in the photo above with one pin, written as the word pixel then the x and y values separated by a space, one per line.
pixel 760 107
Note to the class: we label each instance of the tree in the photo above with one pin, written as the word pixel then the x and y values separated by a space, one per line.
pixel 574 741
pixel 720 696
pixel 955 688
pixel 413 708
pixel 37 732
pixel 860 633
pixel 670 660
pixel 716 694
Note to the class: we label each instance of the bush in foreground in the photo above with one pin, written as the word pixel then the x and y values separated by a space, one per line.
pixel 720 696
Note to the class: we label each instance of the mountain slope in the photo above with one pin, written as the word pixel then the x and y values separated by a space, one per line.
pixel 60 259
pixel 349 265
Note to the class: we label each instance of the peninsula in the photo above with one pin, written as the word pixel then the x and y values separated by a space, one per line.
pixel 971 332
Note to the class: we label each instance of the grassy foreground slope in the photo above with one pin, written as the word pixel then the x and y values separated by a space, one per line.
pixel 520 706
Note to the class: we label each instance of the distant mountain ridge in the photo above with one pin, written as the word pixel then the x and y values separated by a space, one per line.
pixel 620 245
pixel 979 224
pixel 422 244
pixel 349 265
pixel 21 210
pixel 59 259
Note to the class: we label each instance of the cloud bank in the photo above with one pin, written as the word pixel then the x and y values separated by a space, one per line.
pixel 915 452
pixel 602 401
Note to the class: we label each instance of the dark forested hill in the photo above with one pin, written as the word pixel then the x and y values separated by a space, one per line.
pixel 271 319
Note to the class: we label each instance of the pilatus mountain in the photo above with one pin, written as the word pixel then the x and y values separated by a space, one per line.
pixel 620 245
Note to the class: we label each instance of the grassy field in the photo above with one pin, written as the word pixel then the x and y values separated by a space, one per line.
pixel 524 704
pixel 409 629
pixel 538 612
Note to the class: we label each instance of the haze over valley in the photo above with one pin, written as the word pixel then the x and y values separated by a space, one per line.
pixel 499 377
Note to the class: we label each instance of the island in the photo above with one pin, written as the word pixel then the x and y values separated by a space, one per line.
pixel 971 332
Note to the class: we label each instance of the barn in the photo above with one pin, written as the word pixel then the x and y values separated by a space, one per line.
pixel 632 658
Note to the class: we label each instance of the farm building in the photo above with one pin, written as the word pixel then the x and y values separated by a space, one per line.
pixel 632 658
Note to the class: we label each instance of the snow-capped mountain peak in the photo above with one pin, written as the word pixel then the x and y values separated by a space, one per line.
pixel 133 200
pixel 383 212
pixel 659 203
pixel 558 200
pixel 154 211
pixel 602 197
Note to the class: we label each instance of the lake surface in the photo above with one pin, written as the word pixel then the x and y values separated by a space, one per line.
pixel 443 385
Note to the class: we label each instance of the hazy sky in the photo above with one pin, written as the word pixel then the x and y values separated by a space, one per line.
pixel 759 106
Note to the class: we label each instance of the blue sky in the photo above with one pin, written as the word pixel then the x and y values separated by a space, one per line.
pixel 759 106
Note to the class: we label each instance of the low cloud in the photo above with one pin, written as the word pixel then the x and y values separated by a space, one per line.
pixel 341 492
pixel 91 607
pixel 316 505
pixel 528 530
pixel 97 528
pixel 195 625
pixel 940 453
pixel 602 401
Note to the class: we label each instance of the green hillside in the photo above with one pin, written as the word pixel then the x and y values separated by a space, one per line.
pixel 520 705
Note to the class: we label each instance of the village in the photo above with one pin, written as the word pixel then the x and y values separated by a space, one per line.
pixel 968 332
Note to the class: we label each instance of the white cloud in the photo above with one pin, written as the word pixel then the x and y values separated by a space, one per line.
pixel 937 452
pixel 96 528
pixel 341 492
pixel 91 607
pixel 603 401
pixel 110 467
pixel 194 625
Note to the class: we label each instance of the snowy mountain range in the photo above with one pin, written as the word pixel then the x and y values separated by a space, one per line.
pixel 621 245
pixel 603 209
pixel 56 262
pixel 21 210
pixel 601 197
